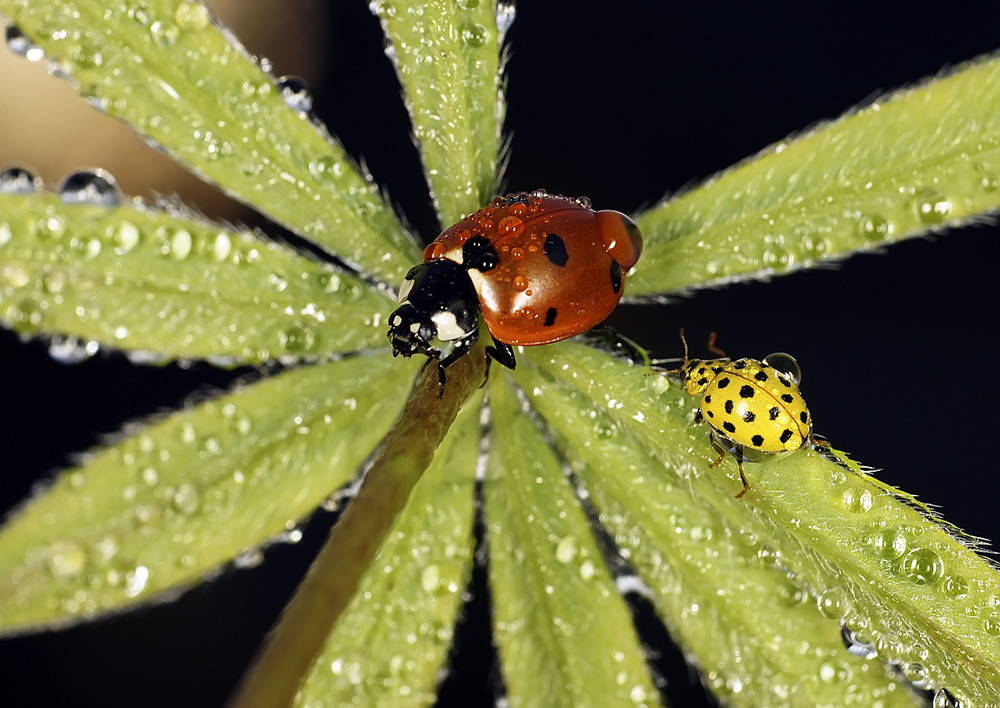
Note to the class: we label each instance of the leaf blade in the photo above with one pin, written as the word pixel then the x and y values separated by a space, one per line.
pixel 564 634
pixel 195 91
pixel 447 56
pixel 174 286
pixel 171 503
pixel 919 160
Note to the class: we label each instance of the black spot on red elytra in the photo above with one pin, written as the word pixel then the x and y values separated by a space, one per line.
pixel 555 250
pixel 550 316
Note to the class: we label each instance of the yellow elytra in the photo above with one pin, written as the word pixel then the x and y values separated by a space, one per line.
pixel 748 404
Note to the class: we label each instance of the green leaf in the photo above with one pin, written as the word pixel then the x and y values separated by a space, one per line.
pixel 173 286
pixel 447 56
pixel 166 68
pixel 563 631
pixel 179 498
pixel 762 590
pixel 390 645
pixel 916 161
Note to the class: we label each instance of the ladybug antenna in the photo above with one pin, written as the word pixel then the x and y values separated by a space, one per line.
pixel 684 341
pixel 711 344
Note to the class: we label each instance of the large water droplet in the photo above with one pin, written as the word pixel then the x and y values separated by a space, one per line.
pixel 566 549
pixel 474 35
pixel 833 603
pixel 18 180
pixel 90 187
pixel 296 94
pixel 296 339
pixel 889 543
pixel 874 228
pixel 19 44
pixel 857 500
pixel 126 236
pixel 923 566
pixel 931 206
pixel 943 698
pixel 955 587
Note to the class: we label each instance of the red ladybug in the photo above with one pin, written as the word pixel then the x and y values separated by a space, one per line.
pixel 539 267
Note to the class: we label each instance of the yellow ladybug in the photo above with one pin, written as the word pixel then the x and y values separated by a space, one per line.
pixel 748 404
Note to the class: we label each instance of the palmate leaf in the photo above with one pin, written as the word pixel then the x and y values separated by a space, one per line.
pixel 918 160
pixel 178 78
pixel 169 286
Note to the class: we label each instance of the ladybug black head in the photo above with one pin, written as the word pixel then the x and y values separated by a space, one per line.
pixel 438 313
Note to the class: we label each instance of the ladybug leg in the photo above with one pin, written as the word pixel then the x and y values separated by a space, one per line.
pixel 743 477
pixel 717 446
pixel 503 353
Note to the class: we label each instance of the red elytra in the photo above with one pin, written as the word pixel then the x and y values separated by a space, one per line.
pixel 559 265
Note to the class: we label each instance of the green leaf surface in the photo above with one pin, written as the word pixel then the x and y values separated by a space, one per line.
pixel 563 631
pixel 763 590
pixel 447 55
pixel 169 285
pixel 915 161
pixel 177 499
pixel 390 645
pixel 167 69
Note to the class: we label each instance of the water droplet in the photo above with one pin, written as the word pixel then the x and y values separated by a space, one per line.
pixel 5 233
pixel 874 227
pixel 180 244
pixel 856 645
pixel 857 500
pixel 70 350
pixel 830 672
pixel 474 35
pixel 126 237
pixel 90 187
pixel 916 674
pixel 186 499
pixel 566 549
pixel 505 16
pixel 777 258
pixel 955 587
pixel 296 94
pixel 222 246
pixel 931 206
pixel 768 555
pixel 135 581
pixel 923 566
pixel 66 559
pixel 50 227
pixel 813 246
pixel 192 15
pixel 889 543
pixel 604 430
pixel 991 623
pixel 21 45
pixel 833 603
pixel 249 558
pixel 296 339
pixel 17 180
pixel 943 698
pixel 430 578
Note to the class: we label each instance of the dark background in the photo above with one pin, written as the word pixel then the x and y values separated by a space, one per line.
pixel 622 102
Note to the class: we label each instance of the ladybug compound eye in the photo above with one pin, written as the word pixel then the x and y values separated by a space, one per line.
pixel 621 237
pixel 785 364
